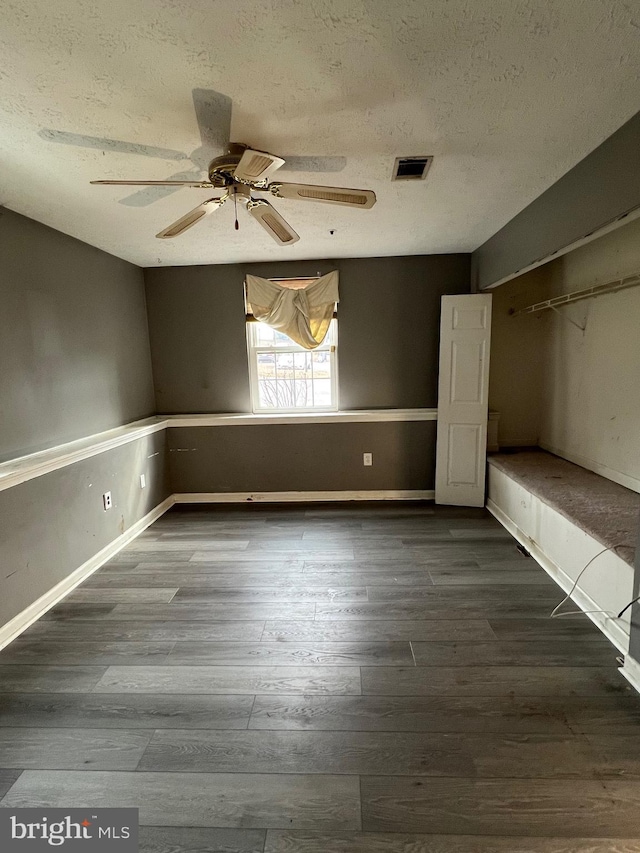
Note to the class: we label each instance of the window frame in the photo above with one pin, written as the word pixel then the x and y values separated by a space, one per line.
pixel 253 350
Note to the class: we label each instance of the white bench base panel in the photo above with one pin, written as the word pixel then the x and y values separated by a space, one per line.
pixel 563 549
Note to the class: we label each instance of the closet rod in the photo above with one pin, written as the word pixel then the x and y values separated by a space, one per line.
pixel 587 293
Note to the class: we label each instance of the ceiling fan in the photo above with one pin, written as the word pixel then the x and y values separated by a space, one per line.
pixel 213 115
pixel 239 173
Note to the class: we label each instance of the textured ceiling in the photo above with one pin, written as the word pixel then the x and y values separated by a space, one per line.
pixel 507 95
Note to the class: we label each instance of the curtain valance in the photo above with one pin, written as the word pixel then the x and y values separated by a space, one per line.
pixel 303 314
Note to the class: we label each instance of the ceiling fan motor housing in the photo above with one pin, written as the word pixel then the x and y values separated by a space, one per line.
pixel 222 169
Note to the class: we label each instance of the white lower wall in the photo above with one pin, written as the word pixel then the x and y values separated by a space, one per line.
pixel 563 550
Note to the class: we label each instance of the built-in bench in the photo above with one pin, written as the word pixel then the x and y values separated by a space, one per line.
pixel 564 516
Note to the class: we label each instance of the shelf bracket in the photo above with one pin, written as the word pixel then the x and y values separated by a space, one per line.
pixel 568 319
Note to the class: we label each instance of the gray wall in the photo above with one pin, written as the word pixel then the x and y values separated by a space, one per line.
pixel 51 525
pixel 302 457
pixel 75 360
pixel 388 324
pixel 597 191
pixel 74 344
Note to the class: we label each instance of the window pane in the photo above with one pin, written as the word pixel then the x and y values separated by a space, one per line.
pixel 266 365
pixel 287 376
pixel 264 336
pixel 322 392
pixel 321 365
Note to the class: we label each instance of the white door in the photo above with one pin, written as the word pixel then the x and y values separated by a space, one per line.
pixel 463 396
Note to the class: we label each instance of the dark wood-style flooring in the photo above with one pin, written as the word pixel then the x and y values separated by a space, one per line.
pixel 330 679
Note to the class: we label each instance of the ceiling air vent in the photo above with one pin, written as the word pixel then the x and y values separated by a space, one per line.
pixel 411 168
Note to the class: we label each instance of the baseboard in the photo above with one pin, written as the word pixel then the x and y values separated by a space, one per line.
pixel 631 671
pixel 609 628
pixel 619 477
pixel 309 497
pixel 34 611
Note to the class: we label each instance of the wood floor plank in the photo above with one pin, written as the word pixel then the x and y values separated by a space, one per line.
pixel 494 593
pixel 172 839
pixel 286 841
pixel 542 653
pixel 485 576
pixel 578 628
pixel 492 681
pixel 351 753
pixel 291 654
pixel 411 554
pixel 298 593
pixel 64 611
pixel 481 533
pixel 7 779
pixel 508 563
pixel 128 557
pixel 187 545
pixel 170 567
pixel 482 714
pixel 533 807
pixel 148 631
pixel 68 652
pixel 472 630
pixel 618 754
pixel 253 612
pixel 243 800
pixel 230 679
pixel 460 755
pixel 603 714
pixel 72 749
pixel 84 595
pixel 317 543
pixel 259 556
pixel 391 566
pixel 120 710
pixel 247 580
pixel 391 611
pixel 50 679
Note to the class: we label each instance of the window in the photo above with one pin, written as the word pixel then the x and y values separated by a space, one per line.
pixel 285 377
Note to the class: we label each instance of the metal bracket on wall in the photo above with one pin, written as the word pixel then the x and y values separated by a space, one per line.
pixel 568 319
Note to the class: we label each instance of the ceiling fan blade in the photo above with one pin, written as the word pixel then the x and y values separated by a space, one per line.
pixel 192 217
pixel 272 222
pixel 314 164
pixel 200 184
pixel 213 111
pixel 255 166
pixel 103 144
pixel 330 195
pixel 149 195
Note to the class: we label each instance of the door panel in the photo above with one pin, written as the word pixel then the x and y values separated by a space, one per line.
pixel 463 395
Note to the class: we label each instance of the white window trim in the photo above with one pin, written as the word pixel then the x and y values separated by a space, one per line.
pixel 252 352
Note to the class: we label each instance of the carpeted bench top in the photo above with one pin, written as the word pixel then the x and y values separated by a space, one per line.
pixel 603 509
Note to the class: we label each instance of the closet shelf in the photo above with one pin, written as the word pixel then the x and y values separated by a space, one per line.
pixel 587 293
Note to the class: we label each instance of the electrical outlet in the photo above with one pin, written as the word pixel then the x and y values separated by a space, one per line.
pixel 367 459
pixel 107 502
pixel 143 481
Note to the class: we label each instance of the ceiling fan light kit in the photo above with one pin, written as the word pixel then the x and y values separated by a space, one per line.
pixel 243 170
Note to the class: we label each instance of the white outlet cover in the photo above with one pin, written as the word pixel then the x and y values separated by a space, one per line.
pixel 107 501
pixel 367 459
pixel 143 481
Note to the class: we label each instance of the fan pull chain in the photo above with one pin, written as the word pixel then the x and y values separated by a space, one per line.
pixel 235 201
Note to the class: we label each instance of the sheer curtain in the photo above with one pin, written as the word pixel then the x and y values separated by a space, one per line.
pixel 303 314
